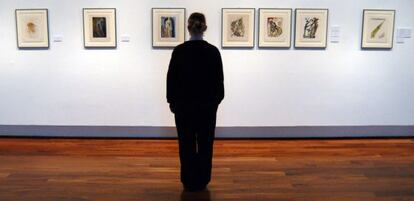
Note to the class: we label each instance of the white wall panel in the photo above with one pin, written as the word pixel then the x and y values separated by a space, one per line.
pixel 70 85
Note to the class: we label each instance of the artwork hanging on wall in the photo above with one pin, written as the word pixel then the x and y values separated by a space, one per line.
pixel 32 28
pixel 238 27
pixel 275 27
pixel 378 29
pixel 311 28
pixel 99 27
pixel 168 27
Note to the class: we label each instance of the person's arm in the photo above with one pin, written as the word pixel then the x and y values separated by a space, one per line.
pixel 172 81
pixel 220 80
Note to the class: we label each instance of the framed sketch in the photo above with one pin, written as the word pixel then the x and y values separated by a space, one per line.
pixel 168 27
pixel 378 29
pixel 275 27
pixel 99 27
pixel 32 28
pixel 311 28
pixel 238 27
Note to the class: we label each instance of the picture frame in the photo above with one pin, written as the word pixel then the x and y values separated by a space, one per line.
pixel 275 25
pixel 311 28
pixel 238 28
pixel 168 27
pixel 99 28
pixel 32 28
pixel 378 29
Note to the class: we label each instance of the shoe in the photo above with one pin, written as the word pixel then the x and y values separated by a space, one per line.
pixel 195 188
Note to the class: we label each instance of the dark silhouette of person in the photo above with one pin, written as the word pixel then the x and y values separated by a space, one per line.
pixel 194 91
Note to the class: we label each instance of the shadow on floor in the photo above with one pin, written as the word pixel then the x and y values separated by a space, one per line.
pixel 195 196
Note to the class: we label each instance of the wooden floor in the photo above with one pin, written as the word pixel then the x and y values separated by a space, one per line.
pixel 126 170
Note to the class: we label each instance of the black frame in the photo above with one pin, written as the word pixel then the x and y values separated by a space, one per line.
pixel 152 26
pixel 84 39
pixel 222 28
pixel 327 27
pixel 47 22
pixel 290 36
pixel 363 25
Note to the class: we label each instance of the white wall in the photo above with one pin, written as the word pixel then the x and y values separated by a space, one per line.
pixel 68 85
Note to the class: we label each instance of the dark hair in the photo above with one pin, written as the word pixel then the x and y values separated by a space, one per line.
pixel 197 23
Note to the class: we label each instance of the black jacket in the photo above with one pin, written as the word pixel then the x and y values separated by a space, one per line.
pixel 195 74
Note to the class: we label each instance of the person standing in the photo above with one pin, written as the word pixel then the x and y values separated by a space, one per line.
pixel 194 91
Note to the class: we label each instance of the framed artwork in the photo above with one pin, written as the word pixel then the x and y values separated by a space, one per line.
pixel 275 27
pixel 168 27
pixel 378 28
pixel 311 28
pixel 32 28
pixel 238 27
pixel 99 27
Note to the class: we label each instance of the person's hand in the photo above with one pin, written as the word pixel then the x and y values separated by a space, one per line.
pixel 172 108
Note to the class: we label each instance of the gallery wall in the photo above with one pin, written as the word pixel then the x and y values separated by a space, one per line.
pixel 70 85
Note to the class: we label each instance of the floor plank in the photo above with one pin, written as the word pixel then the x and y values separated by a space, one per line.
pixel 128 169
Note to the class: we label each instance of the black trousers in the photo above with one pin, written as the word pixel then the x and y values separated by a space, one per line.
pixel 196 123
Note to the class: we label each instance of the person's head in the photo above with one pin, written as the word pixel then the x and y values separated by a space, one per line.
pixel 197 24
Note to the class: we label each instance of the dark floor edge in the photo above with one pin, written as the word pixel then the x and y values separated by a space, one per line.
pixel 217 138
pixel 150 132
